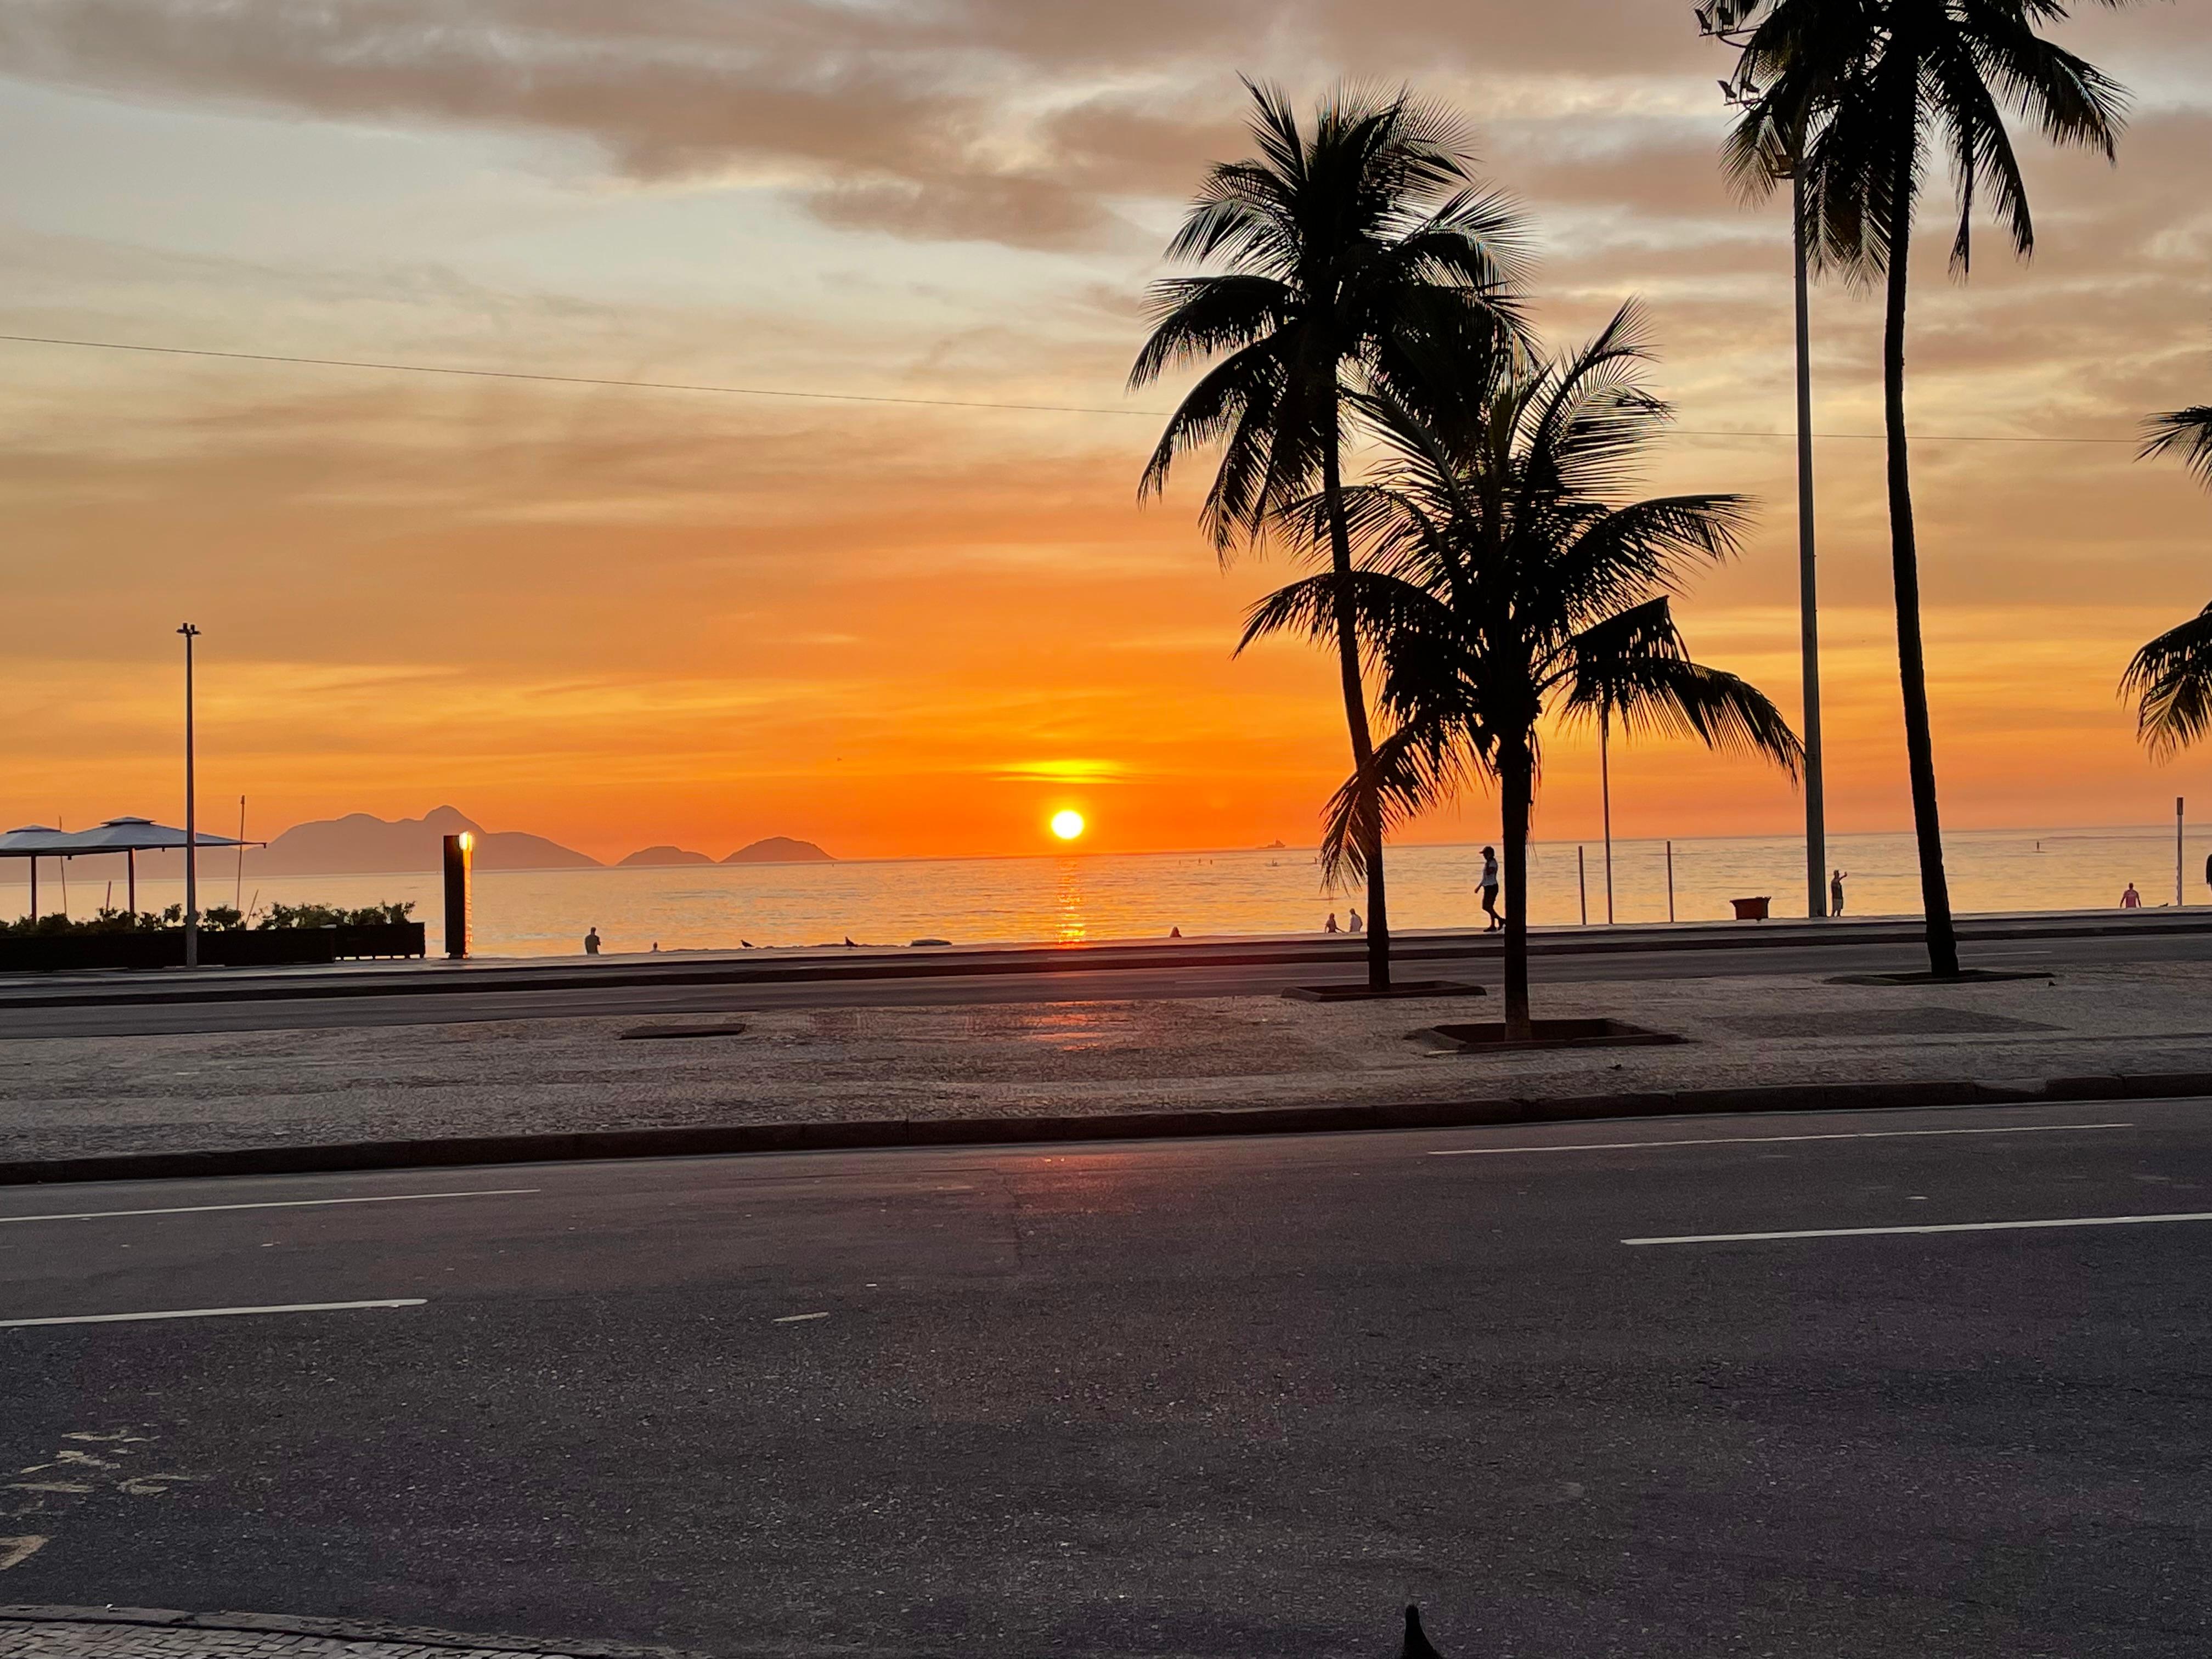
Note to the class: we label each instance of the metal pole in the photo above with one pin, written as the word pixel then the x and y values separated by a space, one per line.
pixel 2177 851
pixel 130 868
pixel 1605 794
pixel 1816 833
pixel 456 859
pixel 1671 881
pixel 238 895
pixel 1582 884
pixel 35 890
pixel 191 830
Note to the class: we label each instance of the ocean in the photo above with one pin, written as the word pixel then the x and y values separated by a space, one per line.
pixel 1087 896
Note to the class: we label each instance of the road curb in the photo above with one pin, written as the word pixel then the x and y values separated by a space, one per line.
pixel 1189 1123
pixel 336 1630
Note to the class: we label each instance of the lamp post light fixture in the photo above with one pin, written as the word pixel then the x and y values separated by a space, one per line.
pixel 192 846
pixel 459 856
pixel 1727 21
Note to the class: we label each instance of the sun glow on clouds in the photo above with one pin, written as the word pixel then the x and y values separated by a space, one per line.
pixel 620 617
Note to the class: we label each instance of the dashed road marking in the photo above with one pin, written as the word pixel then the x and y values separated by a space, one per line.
pixel 217 1313
pixel 274 1203
pixel 14 1552
pixel 801 1319
pixel 1940 1227
pixel 1756 1140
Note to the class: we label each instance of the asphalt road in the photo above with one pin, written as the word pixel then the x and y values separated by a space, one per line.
pixel 1198 1398
pixel 1075 984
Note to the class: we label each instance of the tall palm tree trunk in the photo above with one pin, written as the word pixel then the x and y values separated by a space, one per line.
pixel 1905 566
pixel 1369 810
pixel 1516 787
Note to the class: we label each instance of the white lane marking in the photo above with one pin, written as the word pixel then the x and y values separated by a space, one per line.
pixel 276 1204
pixel 14 1552
pixel 799 1319
pixel 1942 1227
pixel 215 1313
pixel 1754 1140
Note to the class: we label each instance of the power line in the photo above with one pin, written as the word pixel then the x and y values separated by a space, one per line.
pixel 864 398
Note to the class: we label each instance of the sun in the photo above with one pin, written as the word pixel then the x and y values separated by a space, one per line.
pixel 1068 825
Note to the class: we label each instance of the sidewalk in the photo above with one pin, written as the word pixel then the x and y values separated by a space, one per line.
pixel 1412 951
pixel 71 1099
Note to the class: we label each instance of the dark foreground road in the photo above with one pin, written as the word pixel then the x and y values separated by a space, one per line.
pixel 1216 1399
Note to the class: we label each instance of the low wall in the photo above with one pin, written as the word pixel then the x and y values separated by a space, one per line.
pixel 164 947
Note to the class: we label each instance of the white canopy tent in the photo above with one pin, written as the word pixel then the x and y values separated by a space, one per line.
pixel 128 836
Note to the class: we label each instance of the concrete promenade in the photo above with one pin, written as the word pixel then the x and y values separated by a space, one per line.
pixel 916 1059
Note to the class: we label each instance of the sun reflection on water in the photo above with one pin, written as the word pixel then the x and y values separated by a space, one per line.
pixel 1071 926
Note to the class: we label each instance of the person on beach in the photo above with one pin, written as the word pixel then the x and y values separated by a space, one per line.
pixel 1330 926
pixel 1355 926
pixel 592 942
pixel 1836 894
pixel 1490 889
pixel 2131 900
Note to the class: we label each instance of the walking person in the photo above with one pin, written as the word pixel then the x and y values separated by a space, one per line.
pixel 1354 925
pixel 1490 889
pixel 1835 893
pixel 2131 900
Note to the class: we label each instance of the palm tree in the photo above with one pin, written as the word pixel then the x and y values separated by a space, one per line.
pixel 1343 257
pixel 1879 89
pixel 2171 677
pixel 1503 578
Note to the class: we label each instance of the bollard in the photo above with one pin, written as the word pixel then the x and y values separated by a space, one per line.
pixel 459 851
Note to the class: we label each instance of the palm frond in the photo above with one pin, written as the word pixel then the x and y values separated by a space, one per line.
pixel 2188 431
pixel 2170 679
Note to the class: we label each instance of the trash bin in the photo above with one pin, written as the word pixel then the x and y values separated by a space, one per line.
pixel 1752 910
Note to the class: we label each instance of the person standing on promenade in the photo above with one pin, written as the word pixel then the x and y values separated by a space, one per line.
pixel 592 942
pixel 1836 894
pixel 1490 889
pixel 1354 925
pixel 2131 900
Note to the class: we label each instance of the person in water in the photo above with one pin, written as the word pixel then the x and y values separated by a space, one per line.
pixel 1490 889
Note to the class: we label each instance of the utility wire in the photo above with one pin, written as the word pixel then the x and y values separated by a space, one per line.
pixel 863 397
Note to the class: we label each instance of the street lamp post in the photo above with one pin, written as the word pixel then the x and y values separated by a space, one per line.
pixel 192 834
pixel 1726 21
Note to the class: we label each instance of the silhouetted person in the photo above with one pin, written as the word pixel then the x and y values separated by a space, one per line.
pixel 1330 926
pixel 1490 889
pixel 1417 1641
pixel 1355 926
pixel 2131 900
pixel 1836 894
pixel 592 942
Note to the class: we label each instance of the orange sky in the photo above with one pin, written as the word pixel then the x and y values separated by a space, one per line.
pixel 618 618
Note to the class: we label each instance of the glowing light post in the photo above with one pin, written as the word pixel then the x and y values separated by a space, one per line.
pixel 1725 21
pixel 192 834
pixel 459 857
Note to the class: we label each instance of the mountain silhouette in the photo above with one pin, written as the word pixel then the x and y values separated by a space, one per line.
pixel 780 849
pixel 358 844
pixel 659 855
